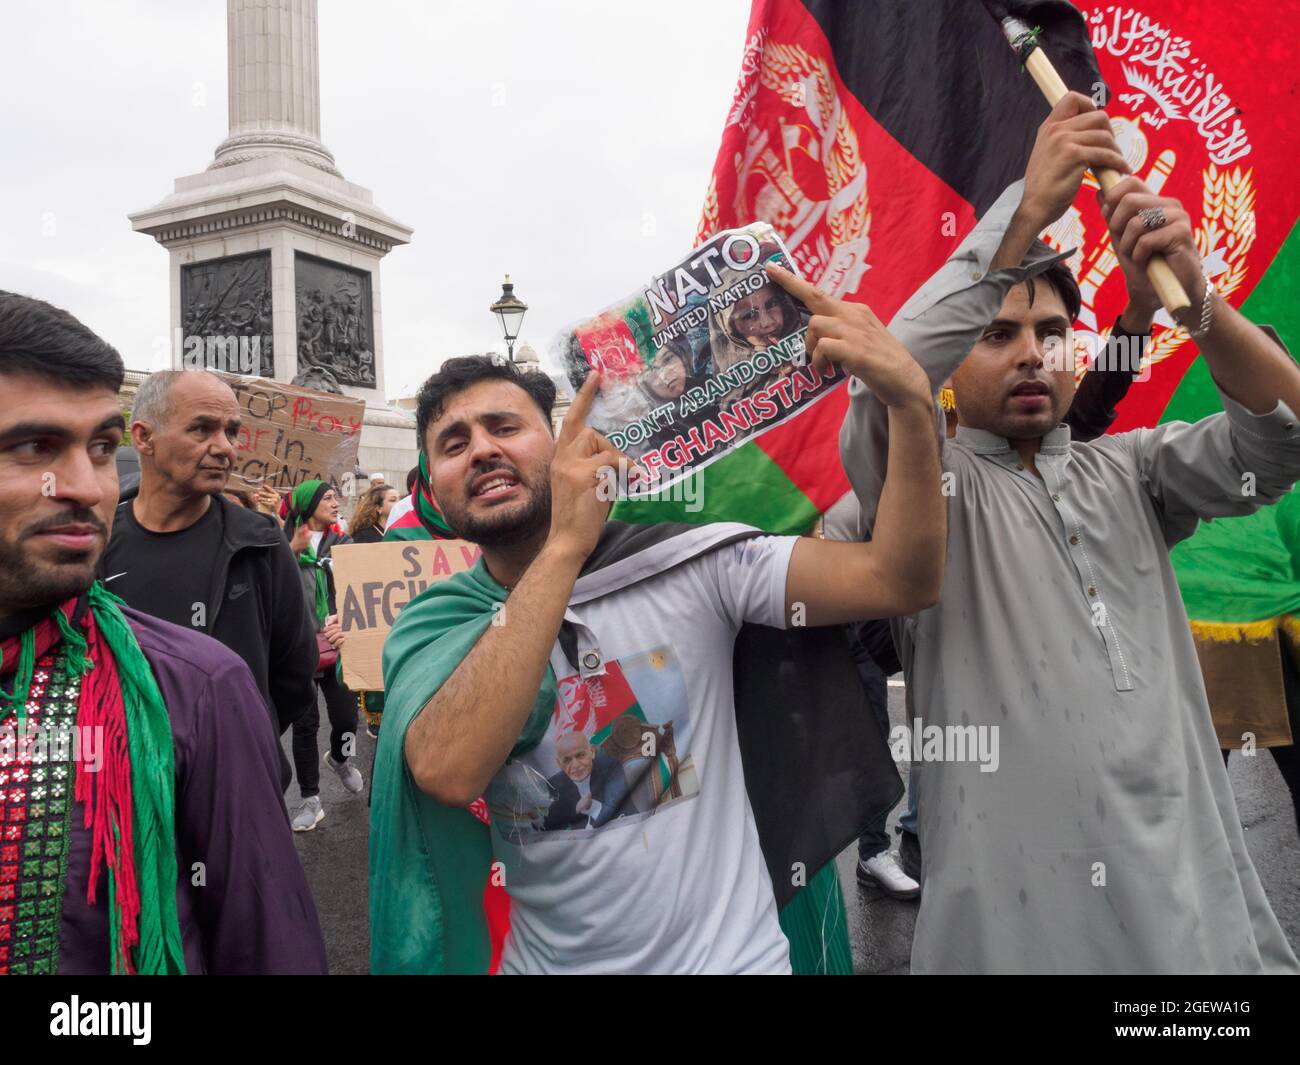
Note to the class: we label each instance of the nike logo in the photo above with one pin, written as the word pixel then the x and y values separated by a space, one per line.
pixel 113 578
pixel 237 590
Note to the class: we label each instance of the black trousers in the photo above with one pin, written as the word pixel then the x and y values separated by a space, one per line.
pixel 341 705
pixel 1288 758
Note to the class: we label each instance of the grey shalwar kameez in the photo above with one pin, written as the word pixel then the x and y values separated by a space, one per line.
pixel 1106 840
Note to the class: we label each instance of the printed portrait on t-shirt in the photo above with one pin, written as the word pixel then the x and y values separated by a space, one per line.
pixel 617 749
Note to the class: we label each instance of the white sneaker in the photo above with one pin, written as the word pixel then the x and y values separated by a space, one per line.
pixel 347 773
pixel 884 872
pixel 309 815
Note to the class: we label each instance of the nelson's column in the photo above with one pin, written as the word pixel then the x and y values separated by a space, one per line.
pixel 272 246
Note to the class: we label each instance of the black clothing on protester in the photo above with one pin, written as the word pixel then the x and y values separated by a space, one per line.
pixel 341 706
pixel 340 702
pixel 367 534
pixel 253 597
pixel 1288 758
pixel 156 572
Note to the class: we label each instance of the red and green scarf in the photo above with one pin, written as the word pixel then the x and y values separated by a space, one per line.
pixel 130 802
pixel 423 521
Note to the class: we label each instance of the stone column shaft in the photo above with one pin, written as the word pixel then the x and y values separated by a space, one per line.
pixel 274 82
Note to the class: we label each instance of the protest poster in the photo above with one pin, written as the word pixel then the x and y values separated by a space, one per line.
pixel 373 582
pixel 706 357
pixel 290 434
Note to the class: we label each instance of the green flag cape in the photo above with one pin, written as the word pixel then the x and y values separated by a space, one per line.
pixel 1238 576
pixel 816 767
pixel 429 863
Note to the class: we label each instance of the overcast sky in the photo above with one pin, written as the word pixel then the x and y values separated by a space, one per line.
pixel 566 143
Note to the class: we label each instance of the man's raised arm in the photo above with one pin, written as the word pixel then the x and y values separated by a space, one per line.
pixel 466 731
pixel 943 320
pixel 901 570
pixel 1229 463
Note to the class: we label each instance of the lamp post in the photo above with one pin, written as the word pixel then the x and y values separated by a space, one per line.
pixel 510 309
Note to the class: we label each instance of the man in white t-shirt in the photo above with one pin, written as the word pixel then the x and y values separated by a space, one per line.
pixel 642 853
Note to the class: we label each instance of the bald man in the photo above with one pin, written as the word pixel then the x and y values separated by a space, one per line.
pixel 182 553
pixel 590 788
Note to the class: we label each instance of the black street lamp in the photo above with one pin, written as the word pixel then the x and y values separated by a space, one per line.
pixel 510 309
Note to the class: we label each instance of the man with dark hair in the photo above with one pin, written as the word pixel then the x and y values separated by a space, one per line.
pixel 417 517
pixel 182 553
pixel 621 618
pixel 1095 830
pixel 140 826
pixel 457 374
pixel 1092 411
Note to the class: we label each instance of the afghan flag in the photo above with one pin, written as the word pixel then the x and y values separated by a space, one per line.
pixel 1212 99
pixel 872 135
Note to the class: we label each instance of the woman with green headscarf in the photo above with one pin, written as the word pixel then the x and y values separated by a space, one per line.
pixel 312 529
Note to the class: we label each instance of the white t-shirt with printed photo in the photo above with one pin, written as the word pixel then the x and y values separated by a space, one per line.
pixel 626 838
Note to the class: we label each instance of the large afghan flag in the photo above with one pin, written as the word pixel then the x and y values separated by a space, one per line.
pixel 872 134
pixel 1213 95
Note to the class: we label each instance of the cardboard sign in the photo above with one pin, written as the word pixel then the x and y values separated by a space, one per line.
pixel 291 434
pixel 373 582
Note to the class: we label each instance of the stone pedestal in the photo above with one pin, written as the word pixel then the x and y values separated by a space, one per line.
pixel 388 446
pixel 278 253
pixel 274 256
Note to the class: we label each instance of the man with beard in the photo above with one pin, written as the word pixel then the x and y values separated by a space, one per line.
pixel 1106 840
pixel 472 666
pixel 1091 414
pixel 184 554
pixel 140 826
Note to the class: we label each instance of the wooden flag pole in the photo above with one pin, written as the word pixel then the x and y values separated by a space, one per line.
pixel 1025 42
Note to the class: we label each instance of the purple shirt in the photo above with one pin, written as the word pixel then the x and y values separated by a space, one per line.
pixel 253 912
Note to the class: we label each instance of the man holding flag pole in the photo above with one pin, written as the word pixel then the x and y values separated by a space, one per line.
pixel 1107 839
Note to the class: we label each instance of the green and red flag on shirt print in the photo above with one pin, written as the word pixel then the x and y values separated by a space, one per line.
pixel 588 705
pixel 874 134
pixel 592 704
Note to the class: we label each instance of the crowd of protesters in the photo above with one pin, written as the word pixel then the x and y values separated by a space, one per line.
pixel 617 748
